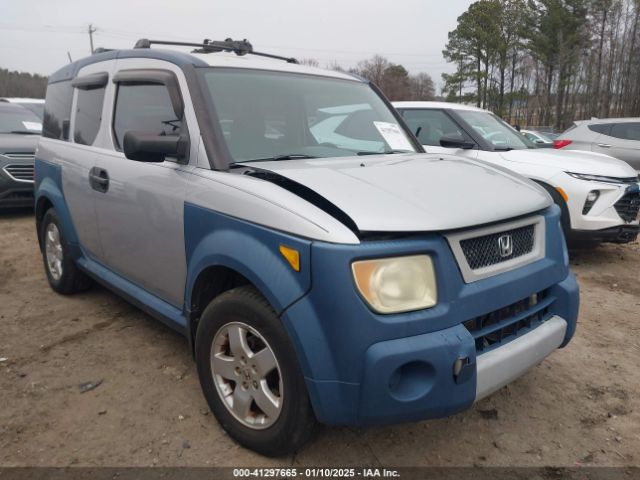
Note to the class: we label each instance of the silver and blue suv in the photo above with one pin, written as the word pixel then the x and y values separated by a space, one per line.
pixel 353 282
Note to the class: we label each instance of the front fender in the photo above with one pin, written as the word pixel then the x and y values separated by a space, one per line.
pixel 215 239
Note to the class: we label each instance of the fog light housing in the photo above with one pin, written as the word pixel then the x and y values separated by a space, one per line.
pixel 592 198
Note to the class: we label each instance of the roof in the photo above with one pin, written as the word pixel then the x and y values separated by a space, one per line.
pixel 180 58
pixel 441 105
pixel 608 120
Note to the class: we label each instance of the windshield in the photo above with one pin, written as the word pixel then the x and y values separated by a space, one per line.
pixel 495 131
pixel 282 116
pixel 15 119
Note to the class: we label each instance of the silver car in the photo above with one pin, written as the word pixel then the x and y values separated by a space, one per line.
pixel 618 137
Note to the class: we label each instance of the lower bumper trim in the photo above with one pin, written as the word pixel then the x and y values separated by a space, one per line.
pixel 621 234
pixel 497 368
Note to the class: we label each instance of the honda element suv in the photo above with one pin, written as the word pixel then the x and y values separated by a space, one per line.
pixel 354 282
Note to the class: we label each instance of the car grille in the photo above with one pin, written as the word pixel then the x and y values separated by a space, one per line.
pixel 628 206
pixel 21 173
pixel 20 155
pixel 505 324
pixel 486 250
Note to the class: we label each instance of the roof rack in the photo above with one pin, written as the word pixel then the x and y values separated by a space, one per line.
pixel 239 47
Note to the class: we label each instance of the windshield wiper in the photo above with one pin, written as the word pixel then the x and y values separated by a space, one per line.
pixel 502 149
pixel 23 132
pixel 386 152
pixel 290 156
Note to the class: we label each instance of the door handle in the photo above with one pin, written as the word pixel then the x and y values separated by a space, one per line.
pixel 604 145
pixel 99 179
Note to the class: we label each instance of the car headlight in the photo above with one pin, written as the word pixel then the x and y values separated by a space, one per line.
pixel 394 285
pixel 595 178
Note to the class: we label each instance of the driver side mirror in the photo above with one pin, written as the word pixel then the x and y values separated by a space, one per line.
pixel 148 147
pixel 456 142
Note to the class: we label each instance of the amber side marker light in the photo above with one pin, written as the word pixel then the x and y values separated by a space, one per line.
pixel 563 194
pixel 292 256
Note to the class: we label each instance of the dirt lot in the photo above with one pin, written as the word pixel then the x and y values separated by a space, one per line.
pixel 580 407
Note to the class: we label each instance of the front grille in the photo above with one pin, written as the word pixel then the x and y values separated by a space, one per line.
pixel 20 155
pixel 21 173
pixel 503 325
pixel 486 250
pixel 628 206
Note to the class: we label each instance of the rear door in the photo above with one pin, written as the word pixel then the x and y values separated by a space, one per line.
pixel 141 207
pixel 625 141
pixel 85 143
pixel 596 136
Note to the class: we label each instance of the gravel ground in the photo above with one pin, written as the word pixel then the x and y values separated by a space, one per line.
pixel 579 407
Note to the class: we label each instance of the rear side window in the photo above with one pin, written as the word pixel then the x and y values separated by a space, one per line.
pixel 88 115
pixel 57 110
pixel 626 131
pixel 431 125
pixel 604 128
pixel 145 108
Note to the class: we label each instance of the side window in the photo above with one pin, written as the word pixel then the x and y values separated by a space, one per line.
pixel 145 108
pixel 431 125
pixel 88 115
pixel 600 128
pixel 57 110
pixel 626 131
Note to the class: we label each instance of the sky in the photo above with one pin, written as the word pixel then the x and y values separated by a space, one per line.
pixel 35 36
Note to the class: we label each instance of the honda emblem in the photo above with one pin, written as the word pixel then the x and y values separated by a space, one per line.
pixel 505 245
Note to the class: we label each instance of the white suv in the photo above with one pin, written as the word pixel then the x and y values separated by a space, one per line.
pixel 599 195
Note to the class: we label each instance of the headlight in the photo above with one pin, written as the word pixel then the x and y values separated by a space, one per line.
pixel 394 285
pixel 596 178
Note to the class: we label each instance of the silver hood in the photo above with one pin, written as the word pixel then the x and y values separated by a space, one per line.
pixel 414 192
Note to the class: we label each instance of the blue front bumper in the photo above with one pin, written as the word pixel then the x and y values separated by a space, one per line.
pixel 363 368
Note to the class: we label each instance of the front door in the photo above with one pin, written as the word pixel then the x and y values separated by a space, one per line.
pixel 140 212
pixel 430 125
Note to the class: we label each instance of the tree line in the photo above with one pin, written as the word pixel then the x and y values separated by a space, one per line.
pixel 547 62
pixel 20 84
pixel 393 79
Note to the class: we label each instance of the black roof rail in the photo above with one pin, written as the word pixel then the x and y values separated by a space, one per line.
pixel 239 47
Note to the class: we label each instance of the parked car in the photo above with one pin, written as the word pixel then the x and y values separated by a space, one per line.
pixel 19 132
pixel 599 195
pixel 618 137
pixel 541 139
pixel 36 105
pixel 351 284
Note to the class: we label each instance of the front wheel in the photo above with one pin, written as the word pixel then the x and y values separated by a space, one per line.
pixel 250 375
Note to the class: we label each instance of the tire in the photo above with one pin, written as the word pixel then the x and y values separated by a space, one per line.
pixel 244 318
pixel 63 274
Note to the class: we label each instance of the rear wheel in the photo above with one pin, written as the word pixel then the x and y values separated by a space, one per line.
pixel 63 275
pixel 250 375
